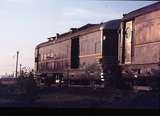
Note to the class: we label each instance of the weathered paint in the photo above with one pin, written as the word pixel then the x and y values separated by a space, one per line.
pixel 147 38
pixel 128 40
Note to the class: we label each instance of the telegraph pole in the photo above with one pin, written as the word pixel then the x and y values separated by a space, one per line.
pixel 17 63
pixel 20 69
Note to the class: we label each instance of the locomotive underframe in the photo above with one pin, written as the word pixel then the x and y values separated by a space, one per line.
pixel 141 75
pixel 139 49
pixel 70 77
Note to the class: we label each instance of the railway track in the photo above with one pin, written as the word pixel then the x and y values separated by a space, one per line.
pixel 78 97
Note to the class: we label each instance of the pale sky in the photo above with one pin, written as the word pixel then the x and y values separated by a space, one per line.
pixel 26 23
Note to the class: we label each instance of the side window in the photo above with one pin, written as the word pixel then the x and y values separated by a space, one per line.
pixel 98 47
pixel 67 55
pixel 39 57
pixel 45 56
pixel 82 49
pixel 42 57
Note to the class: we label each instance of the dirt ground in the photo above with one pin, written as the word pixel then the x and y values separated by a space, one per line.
pixel 81 98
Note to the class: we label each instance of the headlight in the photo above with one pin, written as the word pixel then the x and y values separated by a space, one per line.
pixel 57 81
pixel 135 76
pixel 102 76
pixel 102 79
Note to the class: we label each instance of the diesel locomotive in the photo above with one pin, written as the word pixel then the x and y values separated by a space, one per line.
pixel 119 51
pixel 139 48
pixel 80 56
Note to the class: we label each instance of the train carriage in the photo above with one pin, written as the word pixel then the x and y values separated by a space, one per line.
pixel 139 52
pixel 79 57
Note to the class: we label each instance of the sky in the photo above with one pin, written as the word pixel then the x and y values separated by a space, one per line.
pixel 26 23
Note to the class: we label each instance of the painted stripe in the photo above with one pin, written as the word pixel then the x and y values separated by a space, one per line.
pixel 91 55
pixel 144 44
pixel 99 55
pixel 49 60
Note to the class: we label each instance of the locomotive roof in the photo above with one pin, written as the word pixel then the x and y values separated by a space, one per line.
pixel 79 29
pixel 113 24
pixel 87 26
pixel 142 11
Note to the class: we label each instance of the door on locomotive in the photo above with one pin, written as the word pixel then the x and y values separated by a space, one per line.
pixel 128 42
pixel 75 53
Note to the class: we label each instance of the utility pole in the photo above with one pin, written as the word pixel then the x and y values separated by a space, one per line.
pixel 17 63
pixel 20 69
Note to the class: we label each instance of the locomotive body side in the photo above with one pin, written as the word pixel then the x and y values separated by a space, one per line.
pixel 140 45
pixel 83 57
pixel 89 68
pixel 72 58
pixel 53 59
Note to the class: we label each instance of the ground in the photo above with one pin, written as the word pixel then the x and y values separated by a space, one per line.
pixel 80 98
